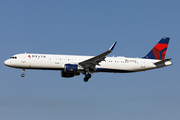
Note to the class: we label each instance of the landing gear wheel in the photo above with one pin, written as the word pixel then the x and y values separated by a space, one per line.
pixel 22 75
pixel 87 77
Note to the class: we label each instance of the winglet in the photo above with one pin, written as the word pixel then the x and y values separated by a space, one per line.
pixel 112 47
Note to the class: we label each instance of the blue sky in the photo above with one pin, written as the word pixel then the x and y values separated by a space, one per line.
pixel 89 28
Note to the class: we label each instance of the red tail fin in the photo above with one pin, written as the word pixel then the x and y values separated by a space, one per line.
pixel 159 51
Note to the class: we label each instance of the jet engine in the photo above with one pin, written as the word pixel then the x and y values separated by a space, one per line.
pixel 70 70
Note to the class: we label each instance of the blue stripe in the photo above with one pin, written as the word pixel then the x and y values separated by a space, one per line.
pixel 164 40
pixel 150 55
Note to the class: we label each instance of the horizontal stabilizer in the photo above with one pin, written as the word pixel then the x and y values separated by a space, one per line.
pixel 162 61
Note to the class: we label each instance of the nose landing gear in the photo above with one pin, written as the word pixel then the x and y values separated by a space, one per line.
pixel 22 75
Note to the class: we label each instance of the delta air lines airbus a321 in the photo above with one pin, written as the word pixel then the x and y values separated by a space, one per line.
pixel 73 65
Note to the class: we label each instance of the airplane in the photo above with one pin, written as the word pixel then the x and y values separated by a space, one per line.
pixel 74 65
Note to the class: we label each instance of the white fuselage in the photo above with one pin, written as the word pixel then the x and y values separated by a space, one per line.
pixel 57 62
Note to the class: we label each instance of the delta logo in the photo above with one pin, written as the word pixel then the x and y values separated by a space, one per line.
pixel 36 56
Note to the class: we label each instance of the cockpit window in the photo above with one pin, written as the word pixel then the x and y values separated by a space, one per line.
pixel 13 57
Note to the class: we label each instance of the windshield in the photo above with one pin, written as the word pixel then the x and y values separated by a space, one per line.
pixel 13 57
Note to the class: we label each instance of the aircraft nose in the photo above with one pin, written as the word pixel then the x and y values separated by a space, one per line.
pixel 6 62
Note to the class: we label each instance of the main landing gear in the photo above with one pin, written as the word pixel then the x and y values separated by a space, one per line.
pixel 22 75
pixel 86 78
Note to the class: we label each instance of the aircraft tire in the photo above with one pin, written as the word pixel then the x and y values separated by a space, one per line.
pixel 88 75
pixel 22 75
pixel 86 79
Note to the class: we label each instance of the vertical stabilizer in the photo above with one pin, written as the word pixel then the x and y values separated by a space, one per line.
pixel 159 51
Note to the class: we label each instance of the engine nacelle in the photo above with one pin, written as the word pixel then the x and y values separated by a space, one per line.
pixel 70 68
pixel 65 74
pixel 69 74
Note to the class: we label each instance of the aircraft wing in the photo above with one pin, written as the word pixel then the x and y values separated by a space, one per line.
pixel 92 62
